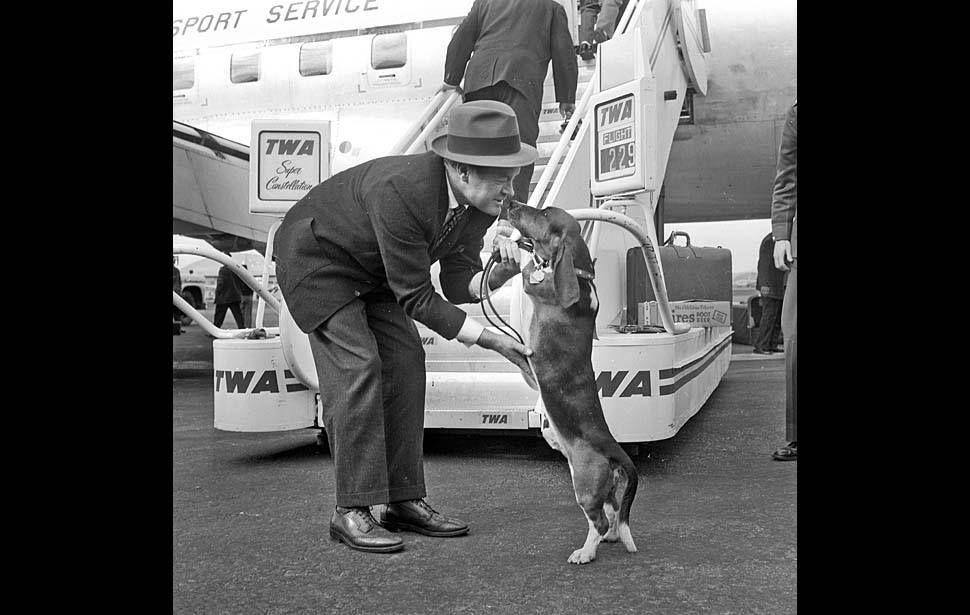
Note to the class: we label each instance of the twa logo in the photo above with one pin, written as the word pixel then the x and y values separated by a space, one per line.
pixel 288 147
pixel 496 419
pixel 239 382
pixel 615 113
pixel 608 383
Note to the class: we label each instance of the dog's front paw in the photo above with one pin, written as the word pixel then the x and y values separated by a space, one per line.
pixel 582 556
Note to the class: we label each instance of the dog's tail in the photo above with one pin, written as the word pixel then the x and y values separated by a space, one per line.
pixel 626 465
pixel 628 483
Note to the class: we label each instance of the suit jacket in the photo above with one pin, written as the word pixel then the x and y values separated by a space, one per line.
pixel 227 287
pixel 513 41
pixel 784 199
pixel 371 227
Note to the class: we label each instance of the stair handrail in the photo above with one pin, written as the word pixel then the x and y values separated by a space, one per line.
pixel 429 119
pixel 415 128
pixel 627 17
pixel 654 272
pixel 449 101
pixel 563 143
pixel 210 328
pixel 581 110
pixel 243 273
pixel 221 257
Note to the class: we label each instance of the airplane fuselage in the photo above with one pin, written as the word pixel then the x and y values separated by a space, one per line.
pixel 371 66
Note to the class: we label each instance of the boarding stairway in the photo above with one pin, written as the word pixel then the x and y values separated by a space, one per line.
pixel 473 388
pixel 654 382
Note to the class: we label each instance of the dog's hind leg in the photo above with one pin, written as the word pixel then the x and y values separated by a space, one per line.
pixel 612 505
pixel 612 535
pixel 592 484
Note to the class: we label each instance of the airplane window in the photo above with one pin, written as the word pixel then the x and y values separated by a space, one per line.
pixel 244 67
pixel 389 50
pixel 183 74
pixel 316 58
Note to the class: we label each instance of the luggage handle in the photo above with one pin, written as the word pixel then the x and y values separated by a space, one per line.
pixel 670 238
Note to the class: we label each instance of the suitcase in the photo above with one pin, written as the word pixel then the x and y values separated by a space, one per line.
pixel 690 273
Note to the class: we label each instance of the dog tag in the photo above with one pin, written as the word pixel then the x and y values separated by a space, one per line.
pixel 537 276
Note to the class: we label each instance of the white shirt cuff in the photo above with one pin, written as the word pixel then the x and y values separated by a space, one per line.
pixel 469 332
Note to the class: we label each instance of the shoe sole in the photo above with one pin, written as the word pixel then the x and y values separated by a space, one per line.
pixel 406 527
pixel 337 536
pixel 783 458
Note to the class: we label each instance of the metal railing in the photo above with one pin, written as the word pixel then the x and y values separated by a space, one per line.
pixel 551 168
pixel 427 122
pixel 244 275
pixel 654 273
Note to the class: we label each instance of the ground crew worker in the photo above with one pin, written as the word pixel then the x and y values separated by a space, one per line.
pixel 784 228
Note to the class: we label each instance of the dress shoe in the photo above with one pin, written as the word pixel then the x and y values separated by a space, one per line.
pixel 418 516
pixel 759 351
pixel 786 453
pixel 776 349
pixel 356 528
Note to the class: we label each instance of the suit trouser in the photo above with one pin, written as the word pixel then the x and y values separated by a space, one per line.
pixel 220 314
pixel 789 327
pixel 370 365
pixel 588 12
pixel 246 305
pixel 768 325
pixel 527 116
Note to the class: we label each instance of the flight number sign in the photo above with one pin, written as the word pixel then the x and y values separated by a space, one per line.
pixel 623 154
pixel 616 146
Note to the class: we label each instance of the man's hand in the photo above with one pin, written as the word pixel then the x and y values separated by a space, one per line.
pixel 447 87
pixel 507 254
pixel 566 110
pixel 511 350
pixel 782 254
pixel 508 250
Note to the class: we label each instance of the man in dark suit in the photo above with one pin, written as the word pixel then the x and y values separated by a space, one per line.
pixel 228 297
pixel 771 288
pixel 784 228
pixel 513 42
pixel 353 264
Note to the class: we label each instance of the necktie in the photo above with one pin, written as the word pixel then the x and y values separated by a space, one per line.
pixel 448 226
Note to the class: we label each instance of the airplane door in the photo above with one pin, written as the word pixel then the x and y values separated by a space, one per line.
pixel 389 62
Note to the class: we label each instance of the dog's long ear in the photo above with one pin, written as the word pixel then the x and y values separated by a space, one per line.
pixel 564 274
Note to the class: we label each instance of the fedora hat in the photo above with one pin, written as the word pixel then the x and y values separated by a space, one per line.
pixel 484 133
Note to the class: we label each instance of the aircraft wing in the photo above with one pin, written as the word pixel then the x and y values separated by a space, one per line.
pixel 210 191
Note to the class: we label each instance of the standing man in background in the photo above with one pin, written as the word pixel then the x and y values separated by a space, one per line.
pixel 784 228
pixel 771 287
pixel 228 297
pixel 510 44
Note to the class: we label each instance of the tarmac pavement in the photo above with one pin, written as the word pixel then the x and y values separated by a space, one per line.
pixel 715 518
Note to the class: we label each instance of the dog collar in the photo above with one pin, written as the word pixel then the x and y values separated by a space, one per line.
pixel 544 266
